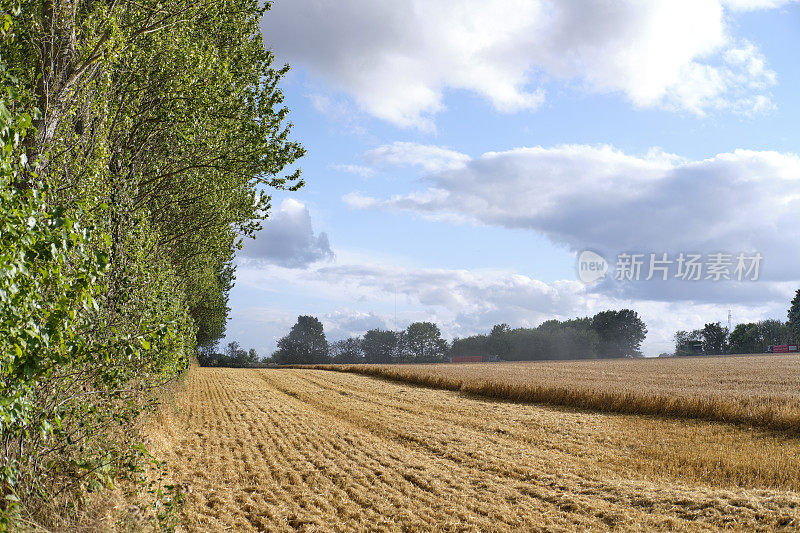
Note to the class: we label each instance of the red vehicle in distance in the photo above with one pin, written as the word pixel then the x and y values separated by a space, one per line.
pixel 781 348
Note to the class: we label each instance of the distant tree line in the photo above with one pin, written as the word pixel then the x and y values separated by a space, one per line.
pixel 607 334
pixel 233 356
pixel 750 337
pixel 421 342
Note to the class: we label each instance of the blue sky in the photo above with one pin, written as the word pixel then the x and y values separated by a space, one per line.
pixel 461 154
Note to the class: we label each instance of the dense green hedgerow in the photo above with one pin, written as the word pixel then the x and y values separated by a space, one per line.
pixel 138 143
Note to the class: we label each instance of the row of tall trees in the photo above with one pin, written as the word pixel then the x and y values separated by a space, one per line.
pixel 750 337
pixel 306 343
pixel 139 142
pixel 607 334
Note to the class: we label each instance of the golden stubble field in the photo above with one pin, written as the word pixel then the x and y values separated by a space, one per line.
pixel 762 391
pixel 312 450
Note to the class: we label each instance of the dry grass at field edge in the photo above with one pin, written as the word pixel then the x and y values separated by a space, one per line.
pixel 777 417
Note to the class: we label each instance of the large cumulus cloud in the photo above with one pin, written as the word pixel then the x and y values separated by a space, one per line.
pixel 288 239
pixel 597 197
pixel 396 59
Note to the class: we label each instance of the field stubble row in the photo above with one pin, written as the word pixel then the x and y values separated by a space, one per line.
pixel 284 450
pixel 761 391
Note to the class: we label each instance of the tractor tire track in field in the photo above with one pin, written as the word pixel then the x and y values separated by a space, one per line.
pixel 289 450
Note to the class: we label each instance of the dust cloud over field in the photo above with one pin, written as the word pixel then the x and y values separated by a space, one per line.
pixel 312 450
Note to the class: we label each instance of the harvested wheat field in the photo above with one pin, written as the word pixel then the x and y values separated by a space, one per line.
pixel 311 450
pixel 762 391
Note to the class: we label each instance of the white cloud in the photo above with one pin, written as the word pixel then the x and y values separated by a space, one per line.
pixel 753 5
pixel 599 198
pixel 427 157
pixel 359 170
pixel 346 116
pixel 288 239
pixel 397 59
pixel 346 322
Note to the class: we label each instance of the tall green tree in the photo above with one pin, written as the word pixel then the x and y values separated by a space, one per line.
pixel 773 331
pixel 715 339
pixel 305 343
pixel 554 339
pixel 620 333
pixel 170 114
pixel 746 338
pixel 425 342
pixel 794 317
pixel 379 346
pixel 347 351
pixel 208 305
pixel 499 342
pixel 475 345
